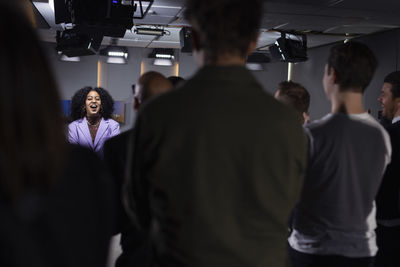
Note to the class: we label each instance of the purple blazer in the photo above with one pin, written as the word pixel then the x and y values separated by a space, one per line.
pixel 78 133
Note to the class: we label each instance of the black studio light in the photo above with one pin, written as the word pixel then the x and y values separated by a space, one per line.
pixel 287 49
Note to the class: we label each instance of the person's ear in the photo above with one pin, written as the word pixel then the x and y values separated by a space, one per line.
pixel 306 117
pixel 332 75
pixel 397 104
pixel 136 103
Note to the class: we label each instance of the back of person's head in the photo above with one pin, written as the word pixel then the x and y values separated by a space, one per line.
pixel 354 65
pixel 32 133
pixel 394 80
pixel 224 26
pixel 79 99
pixel 295 95
pixel 149 85
pixel 175 80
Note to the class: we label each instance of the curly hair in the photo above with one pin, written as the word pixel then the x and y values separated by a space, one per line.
pixel 79 99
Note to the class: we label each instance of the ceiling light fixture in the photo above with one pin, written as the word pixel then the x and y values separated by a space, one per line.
pixel 290 48
pixel 166 56
pixel 163 62
pixel 66 58
pixel 163 56
pixel 115 54
pixel 150 31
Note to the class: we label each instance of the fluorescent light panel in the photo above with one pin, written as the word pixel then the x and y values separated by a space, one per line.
pixel 116 60
pixel 150 31
pixel 162 62
pixel 117 54
pixel 167 56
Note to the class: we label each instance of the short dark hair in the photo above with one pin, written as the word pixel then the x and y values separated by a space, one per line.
pixel 152 83
pixel 32 139
pixel 394 79
pixel 79 99
pixel 354 64
pixel 225 26
pixel 295 95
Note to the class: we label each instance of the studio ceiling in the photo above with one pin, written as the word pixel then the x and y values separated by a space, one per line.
pixel 324 21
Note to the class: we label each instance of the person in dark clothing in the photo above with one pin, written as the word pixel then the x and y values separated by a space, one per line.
pixel 388 198
pixel 215 171
pixel 56 201
pixel 176 80
pixel 149 85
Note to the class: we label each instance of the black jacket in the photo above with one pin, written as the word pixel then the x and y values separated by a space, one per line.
pixel 69 225
pixel 388 198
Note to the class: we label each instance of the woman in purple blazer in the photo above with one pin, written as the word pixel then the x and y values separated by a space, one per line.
pixel 91 110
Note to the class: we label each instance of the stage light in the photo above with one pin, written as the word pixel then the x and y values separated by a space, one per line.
pixel 163 56
pixel 115 54
pixel 149 31
pixel 162 62
pixel 167 56
pixel 290 50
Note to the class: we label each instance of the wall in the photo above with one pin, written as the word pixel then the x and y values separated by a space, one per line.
pixel 386 48
pixel 118 79
pixel 272 75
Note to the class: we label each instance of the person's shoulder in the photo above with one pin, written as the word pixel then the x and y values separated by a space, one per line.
pixel 321 121
pixel 394 128
pixel 75 122
pixel 111 121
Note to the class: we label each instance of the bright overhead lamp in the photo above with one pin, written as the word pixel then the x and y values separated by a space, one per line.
pixel 116 60
pixel 115 54
pixel 163 62
pixel 166 56
pixel 163 56
pixel 149 31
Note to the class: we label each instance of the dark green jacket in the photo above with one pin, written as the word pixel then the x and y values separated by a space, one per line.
pixel 218 167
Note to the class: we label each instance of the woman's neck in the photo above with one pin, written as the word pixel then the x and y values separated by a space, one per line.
pixel 93 120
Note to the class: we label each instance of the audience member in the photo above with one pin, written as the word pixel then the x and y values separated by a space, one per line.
pixel 148 86
pixel 56 207
pixel 388 198
pixel 215 171
pixel 334 220
pixel 296 96
pixel 91 110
